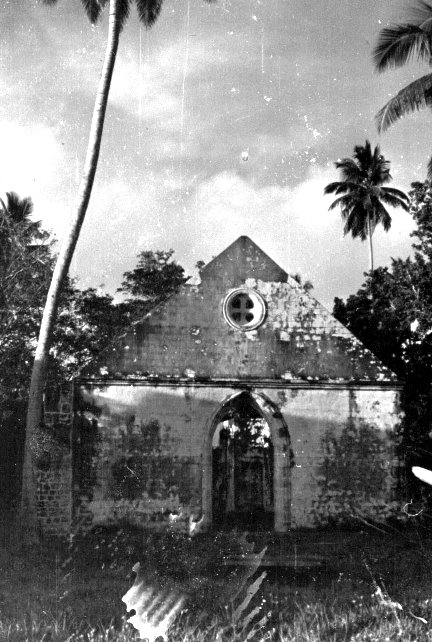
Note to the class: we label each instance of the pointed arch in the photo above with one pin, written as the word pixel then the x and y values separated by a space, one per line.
pixel 281 457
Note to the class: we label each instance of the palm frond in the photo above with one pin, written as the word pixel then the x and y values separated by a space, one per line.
pixel 347 163
pixel 379 173
pixel 356 222
pixel 349 169
pixel 422 15
pixel 15 213
pixel 339 187
pixel 400 44
pixel 93 8
pixel 344 202
pixel 382 216
pixel 414 96
pixel 124 11
pixel 332 187
pixel 19 209
pixel 402 198
pixel 148 11
pixel 363 154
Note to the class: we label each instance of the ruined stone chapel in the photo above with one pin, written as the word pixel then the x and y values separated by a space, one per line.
pixel 240 401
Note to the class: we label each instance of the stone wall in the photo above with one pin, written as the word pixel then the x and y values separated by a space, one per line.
pixel 140 451
pixel 188 335
pixel 54 497
pixel 133 459
pixel 145 411
pixel 53 455
pixel 344 442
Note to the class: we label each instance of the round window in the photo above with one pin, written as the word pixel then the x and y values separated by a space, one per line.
pixel 244 309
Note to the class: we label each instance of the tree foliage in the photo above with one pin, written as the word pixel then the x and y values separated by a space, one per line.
pixel 148 10
pixel 156 277
pixel 392 314
pixel 399 45
pixel 306 285
pixel 88 320
pixel 25 269
pixel 392 311
pixel 362 194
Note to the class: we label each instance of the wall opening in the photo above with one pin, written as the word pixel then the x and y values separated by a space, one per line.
pixel 242 468
pixel 247 466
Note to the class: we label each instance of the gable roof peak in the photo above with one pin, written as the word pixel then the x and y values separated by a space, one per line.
pixel 242 260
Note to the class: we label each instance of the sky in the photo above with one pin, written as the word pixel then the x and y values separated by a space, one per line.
pixel 224 119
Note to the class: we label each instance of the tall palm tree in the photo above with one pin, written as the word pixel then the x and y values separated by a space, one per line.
pixel 396 46
pixel 148 12
pixel 362 186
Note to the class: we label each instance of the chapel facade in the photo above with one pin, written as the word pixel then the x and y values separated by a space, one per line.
pixel 240 401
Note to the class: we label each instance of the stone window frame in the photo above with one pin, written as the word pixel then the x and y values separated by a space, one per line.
pixel 254 306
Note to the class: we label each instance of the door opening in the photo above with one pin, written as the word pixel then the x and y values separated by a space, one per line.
pixel 242 464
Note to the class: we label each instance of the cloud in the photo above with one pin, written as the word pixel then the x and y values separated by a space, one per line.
pixel 292 224
pixel 308 203
pixel 125 216
pixel 29 165
pixel 182 111
pixel 153 85
pixel 233 205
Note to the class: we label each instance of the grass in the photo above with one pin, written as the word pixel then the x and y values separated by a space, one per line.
pixel 375 586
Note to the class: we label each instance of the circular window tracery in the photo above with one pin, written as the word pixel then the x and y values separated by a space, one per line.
pixel 244 309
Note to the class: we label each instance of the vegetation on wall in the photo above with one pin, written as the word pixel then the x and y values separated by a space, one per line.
pixel 391 314
pixel 88 321
pixel 145 470
pixel 353 476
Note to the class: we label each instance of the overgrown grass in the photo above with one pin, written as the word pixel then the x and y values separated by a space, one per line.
pixel 373 587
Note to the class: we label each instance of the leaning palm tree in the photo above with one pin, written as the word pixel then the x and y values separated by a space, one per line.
pixel 363 194
pixel 148 12
pixel 396 46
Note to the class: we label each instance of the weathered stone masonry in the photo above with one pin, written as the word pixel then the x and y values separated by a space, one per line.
pixel 149 413
pixel 54 464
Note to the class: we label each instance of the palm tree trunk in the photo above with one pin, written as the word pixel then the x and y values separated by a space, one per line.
pixel 35 404
pixel 371 256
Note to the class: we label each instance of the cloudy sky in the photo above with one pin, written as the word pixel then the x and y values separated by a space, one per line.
pixel 224 119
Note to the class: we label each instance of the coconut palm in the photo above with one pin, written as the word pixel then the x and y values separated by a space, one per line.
pixel 401 44
pixel 16 227
pixel 148 12
pixel 22 241
pixel 364 195
pixel 17 212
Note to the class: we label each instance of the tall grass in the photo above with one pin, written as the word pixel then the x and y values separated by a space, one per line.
pixel 373 588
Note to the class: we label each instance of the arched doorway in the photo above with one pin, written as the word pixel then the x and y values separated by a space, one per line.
pixel 242 468
pixel 246 475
